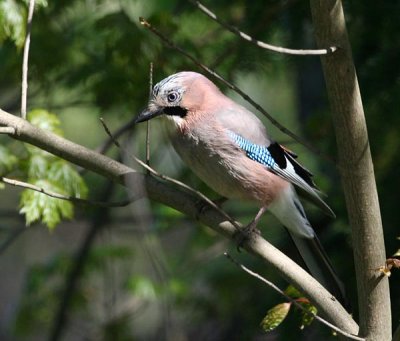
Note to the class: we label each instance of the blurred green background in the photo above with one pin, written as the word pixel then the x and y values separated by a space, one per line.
pixel 146 272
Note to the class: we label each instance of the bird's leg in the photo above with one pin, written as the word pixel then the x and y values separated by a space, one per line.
pixel 251 228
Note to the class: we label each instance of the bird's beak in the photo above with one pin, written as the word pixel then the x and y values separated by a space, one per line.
pixel 150 112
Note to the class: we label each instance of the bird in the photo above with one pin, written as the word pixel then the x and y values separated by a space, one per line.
pixel 228 148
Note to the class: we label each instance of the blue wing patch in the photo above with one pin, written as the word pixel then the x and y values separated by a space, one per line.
pixel 282 163
pixel 255 152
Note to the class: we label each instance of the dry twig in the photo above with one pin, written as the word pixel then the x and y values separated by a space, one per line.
pixel 22 184
pixel 234 30
pixel 290 299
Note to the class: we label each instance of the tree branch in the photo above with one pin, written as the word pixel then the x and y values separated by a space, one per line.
pixel 258 43
pixel 7 130
pixel 290 299
pixel 186 203
pixel 24 90
pixel 80 201
pixel 356 169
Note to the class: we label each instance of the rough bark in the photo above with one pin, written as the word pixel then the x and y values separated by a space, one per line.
pixel 356 169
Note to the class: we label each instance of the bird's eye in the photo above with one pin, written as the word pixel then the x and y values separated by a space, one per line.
pixel 172 97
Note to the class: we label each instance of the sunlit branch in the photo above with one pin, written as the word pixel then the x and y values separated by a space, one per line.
pixel 290 299
pixel 22 184
pixel 24 91
pixel 234 30
pixel 7 130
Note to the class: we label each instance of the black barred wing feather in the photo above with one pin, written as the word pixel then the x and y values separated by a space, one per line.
pixel 282 163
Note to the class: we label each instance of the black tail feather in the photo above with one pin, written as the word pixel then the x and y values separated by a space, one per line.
pixel 320 267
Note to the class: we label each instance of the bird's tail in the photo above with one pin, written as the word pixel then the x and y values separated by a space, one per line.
pixel 318 264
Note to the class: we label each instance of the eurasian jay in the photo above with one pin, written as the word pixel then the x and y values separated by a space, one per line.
pixel 228 147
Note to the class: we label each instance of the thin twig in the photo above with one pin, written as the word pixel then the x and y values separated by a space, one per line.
pixel 55 195
pixel 234 30
pixel 24 91
pixel 265 20
pixel 290 299
pixel 172 180
pixel 148 122
pixel 246 97
pixel 119 132
pixel 7 130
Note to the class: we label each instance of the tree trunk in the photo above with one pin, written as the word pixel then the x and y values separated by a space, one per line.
pixel 356 169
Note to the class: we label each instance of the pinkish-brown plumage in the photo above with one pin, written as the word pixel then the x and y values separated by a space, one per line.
pixel 227 146
pixel 201 121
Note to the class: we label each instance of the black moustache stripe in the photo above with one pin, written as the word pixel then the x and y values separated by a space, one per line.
pixel 175 111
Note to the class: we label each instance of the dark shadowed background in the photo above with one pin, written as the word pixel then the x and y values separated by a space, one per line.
pixel 148 272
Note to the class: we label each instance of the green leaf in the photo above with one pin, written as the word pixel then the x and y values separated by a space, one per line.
pixel 38 206
pixel 12 21
pixel 52 174
pixel 38 164
pixel 292 292
pixel 275 316
pixel 7 160
pixel 307 317
pixel 13 17
pixel 45 120
pixel 68 178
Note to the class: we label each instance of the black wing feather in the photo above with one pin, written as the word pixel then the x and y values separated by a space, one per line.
pixel 282 156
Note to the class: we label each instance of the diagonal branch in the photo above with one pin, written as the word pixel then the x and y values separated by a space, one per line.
pixel 290 299
pixel 186 203
pixel 234 30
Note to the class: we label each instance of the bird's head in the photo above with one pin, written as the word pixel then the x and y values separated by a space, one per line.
pixel 178 97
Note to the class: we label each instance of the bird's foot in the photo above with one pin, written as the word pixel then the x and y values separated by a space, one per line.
pixel 245 234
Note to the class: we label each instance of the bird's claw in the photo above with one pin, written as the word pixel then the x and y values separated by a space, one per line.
pixel 245 234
